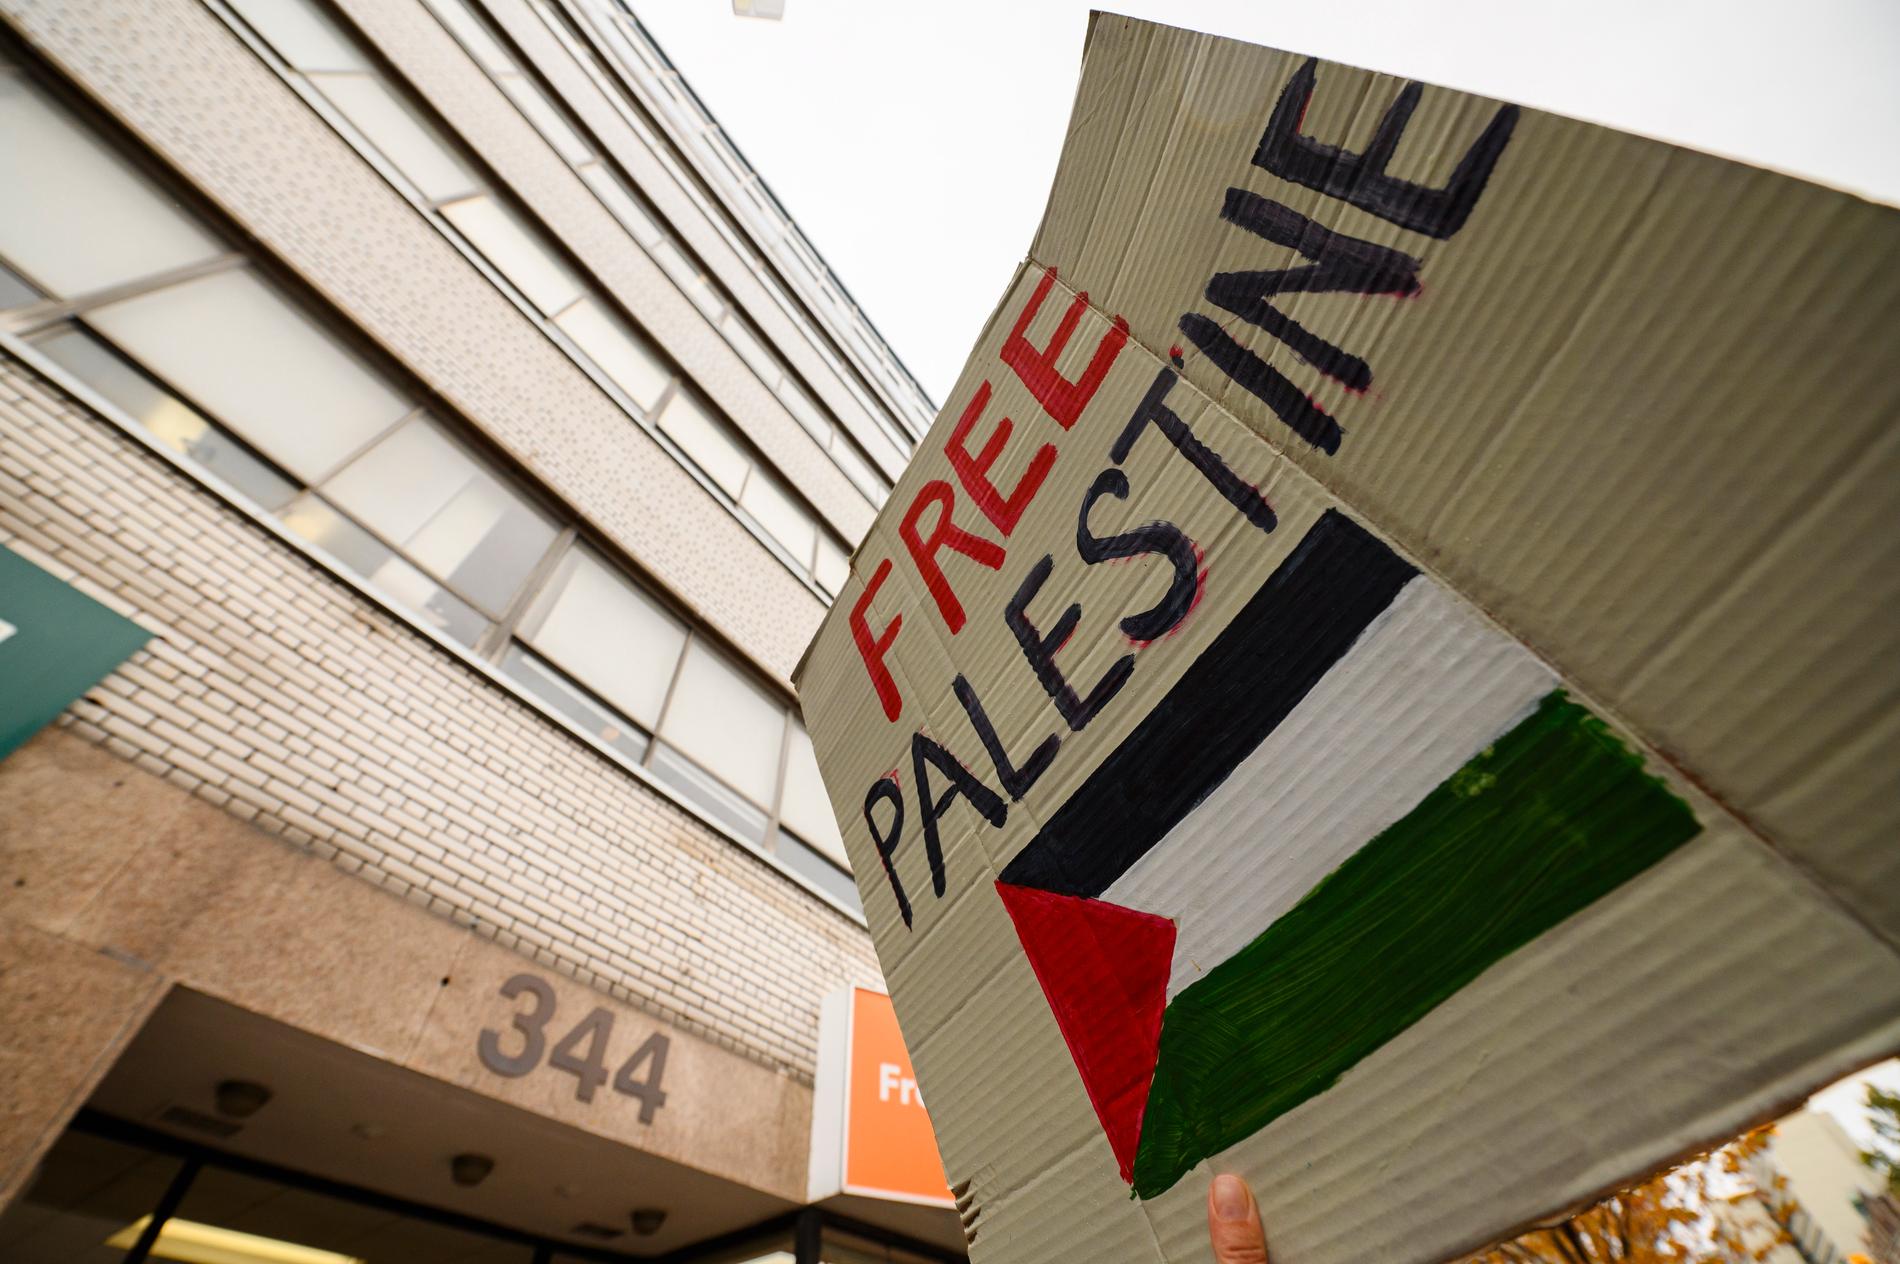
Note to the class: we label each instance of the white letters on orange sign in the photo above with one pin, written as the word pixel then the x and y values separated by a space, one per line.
pixel 891 1079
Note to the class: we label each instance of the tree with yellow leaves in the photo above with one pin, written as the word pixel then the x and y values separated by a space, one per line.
pixel 1713 1210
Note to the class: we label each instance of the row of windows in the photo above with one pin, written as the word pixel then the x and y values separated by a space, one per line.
pixel 697 128
pixel 131 294
pixel 317 53
pixel 907 412
pixel 705 291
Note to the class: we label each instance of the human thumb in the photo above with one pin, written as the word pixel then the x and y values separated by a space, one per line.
pixel 1233 1223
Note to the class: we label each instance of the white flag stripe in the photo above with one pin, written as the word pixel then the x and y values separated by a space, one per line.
pixel 1427 686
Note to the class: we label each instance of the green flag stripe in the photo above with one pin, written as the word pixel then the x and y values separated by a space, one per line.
pixel 1555 814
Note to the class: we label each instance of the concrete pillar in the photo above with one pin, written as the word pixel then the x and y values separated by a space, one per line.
pixel 66 1013
pixel 70 816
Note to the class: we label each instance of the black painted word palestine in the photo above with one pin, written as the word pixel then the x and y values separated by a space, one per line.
pixel 1336 263
pixel 582 1052
pixel 939 777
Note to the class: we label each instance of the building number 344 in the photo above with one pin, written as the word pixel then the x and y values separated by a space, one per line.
pixel 582 1052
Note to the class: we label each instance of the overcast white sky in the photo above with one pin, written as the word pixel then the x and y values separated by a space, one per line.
pixel 1847 1100
pixel 914 142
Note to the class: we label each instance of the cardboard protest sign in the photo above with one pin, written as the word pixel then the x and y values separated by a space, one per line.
pixel 1384 676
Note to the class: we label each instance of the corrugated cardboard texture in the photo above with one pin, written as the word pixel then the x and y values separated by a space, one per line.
pixel 1636 409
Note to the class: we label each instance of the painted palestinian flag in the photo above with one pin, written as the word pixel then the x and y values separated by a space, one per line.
pixel 1422 799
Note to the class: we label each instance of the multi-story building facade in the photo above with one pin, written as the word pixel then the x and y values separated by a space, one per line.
pixel 477 444
pixel 1812 1199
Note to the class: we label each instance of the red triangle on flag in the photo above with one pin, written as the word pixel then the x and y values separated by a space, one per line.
pixel 1104 969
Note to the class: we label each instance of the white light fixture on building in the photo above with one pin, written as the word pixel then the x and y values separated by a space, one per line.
pixel 193 1243
pixel 470 1169
pixel 773 9
pixel 240 1099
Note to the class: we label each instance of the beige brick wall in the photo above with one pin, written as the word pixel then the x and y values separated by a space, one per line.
pixel 279 693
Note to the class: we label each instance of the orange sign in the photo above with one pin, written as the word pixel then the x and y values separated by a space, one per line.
pixel 889 1148
pixel 870 1133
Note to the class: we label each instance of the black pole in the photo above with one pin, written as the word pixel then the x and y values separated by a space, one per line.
pixel 720 1246
pixel 166 1209
pixel 808 1235
pixel 544 1254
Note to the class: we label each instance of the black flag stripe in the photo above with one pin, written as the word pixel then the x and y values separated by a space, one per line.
pixel 1299 623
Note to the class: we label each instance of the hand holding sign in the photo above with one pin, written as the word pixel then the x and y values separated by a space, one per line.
pixel 1233 1223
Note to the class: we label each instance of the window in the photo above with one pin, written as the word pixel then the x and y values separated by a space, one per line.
pixel 573 703
pixel 766 500
pixel 725 723
pixel 432 503
pixel 675 264
pixel 607 634
pixel 623 355
pixel 174 423
pixel 517 251
pixel 626 42
pixel 403 138
pixel 600 653
pixel 706 441
pixel 217 363
pixel 882 450
pixel 832 568
pixel 819 871
pixel 806 413
pixel 754 353
pixel 232 343
pixel 100 222
pixel 472 34
pixel 855 468
pixel 805 806
pixel 302 36
pixel 423 493
pixel 606 658
pixel 316 521
pixel 718 801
